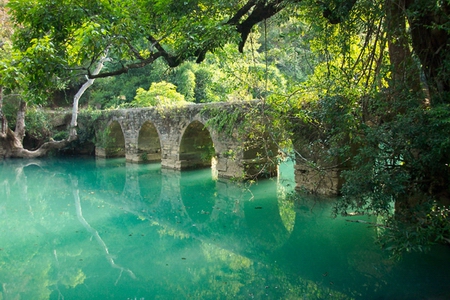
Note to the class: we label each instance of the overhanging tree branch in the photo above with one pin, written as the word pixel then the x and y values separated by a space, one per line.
pixel 173 61
pixel 260 10
pixel 256 12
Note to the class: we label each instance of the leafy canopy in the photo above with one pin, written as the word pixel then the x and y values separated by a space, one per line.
pixel 62 39
pixel 161 93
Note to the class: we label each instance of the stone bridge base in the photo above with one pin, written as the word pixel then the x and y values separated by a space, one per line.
pixel 321 182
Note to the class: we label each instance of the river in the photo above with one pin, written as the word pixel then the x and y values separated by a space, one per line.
pixel 81 228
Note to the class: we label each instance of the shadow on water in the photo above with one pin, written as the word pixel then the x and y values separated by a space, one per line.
pixel 105 229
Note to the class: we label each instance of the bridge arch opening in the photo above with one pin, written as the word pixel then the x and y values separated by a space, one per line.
pixel 112 141
pixel 149 144
pixel 196 147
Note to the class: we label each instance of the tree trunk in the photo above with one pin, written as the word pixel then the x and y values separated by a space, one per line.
pixel 405 72
pixel 94 233
pixel 76 99
pixel 13 140
pixel 430 39
pixel 20 121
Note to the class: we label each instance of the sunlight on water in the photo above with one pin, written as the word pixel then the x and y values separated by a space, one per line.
pixel 105 229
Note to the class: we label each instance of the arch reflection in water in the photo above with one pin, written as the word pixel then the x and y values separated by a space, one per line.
pixel 198 194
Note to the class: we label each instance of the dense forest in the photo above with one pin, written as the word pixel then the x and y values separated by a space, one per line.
pixel 364 85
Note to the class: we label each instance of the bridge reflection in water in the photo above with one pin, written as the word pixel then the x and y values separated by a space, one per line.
pixel 261 224
pixel 107 229
pixel 195 203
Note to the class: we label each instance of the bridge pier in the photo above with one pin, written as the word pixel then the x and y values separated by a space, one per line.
pixel 314 174
pixel 317 181
pixel 228 168
pixel 2 151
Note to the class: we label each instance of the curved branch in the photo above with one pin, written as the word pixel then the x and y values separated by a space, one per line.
pixel 172 61
pixel 125 68
pixel 260 11
pixel 241 12
pixel 257 11
pixel 43 150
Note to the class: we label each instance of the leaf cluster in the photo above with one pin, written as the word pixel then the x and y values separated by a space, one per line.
pixel 162 93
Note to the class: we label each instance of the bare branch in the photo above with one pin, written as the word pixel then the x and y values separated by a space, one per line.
pixel 245 9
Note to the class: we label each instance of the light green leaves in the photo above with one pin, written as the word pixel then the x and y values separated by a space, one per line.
pixel 161 93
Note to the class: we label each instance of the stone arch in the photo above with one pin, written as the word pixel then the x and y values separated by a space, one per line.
pixel 149 143
pixel 111 142
pixel 196 146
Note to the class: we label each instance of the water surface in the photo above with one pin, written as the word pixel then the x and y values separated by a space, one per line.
pixel 105 229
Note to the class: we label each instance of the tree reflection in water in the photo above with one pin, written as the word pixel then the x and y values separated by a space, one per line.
pixel 186 235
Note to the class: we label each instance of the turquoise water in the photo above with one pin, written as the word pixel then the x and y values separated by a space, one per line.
pixel 105 229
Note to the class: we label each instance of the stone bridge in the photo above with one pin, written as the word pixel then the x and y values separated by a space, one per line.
pixel 184 137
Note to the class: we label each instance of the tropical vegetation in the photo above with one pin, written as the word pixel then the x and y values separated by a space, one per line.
pixel 364 85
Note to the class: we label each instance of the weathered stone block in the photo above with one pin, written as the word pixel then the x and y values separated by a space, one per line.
pixel 100 152
pixel 321 182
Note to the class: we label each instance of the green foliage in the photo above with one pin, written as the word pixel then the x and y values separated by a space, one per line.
pixel 224 120
pixel 403 157
pixel 56 42
pixel 88 120
pixel 208 152
pixel 30 70
pixel 429 224
pixel 10 107
pixel 161 93
pixel 203 80
pixel 193 81
pixel 144 156
pixel 185 80
pixel 392 147
pixel 120 90
pixel 103 138
pixel 398 168
pixel 226 75
pixel 61 135
pixel 245 76
pixel 38 124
